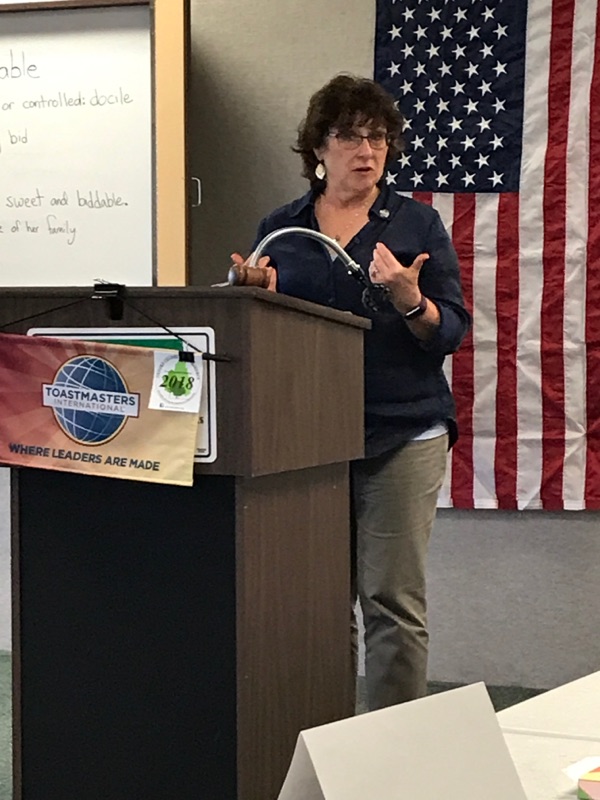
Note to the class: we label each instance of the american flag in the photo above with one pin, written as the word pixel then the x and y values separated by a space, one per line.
pixel 502 100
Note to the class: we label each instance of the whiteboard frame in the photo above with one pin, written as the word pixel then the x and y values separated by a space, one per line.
pixel 170 47
pixel 37 5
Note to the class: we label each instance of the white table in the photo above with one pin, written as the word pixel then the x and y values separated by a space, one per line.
pixel 571 710
pixel 540 761
pixel 548 733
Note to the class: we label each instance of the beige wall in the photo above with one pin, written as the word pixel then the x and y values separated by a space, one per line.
pixel 254 65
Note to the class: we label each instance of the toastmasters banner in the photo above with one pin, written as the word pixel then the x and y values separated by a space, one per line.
pixel 83 407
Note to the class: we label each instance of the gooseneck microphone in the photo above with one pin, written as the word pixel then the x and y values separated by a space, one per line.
pixel 327 241
pixel 373 294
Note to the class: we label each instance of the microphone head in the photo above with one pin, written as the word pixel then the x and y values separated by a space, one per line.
pixel 375 297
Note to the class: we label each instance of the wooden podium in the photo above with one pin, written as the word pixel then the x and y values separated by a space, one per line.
pixel 171 642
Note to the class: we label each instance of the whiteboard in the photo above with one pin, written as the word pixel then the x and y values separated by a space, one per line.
pixel 76 147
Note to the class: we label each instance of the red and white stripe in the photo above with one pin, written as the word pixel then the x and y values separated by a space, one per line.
pixel 592 322
pixel 527 380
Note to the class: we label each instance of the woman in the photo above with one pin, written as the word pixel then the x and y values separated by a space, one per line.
pixel 351 131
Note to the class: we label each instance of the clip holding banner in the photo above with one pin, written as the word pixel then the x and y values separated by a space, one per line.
pixel 113 294
pixel 187 355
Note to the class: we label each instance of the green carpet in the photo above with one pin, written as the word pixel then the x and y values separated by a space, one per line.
pixel 501 696
pixel 5 728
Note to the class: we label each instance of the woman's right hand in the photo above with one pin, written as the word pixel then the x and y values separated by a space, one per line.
pixel 263 263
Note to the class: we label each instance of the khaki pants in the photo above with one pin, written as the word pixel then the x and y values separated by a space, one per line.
pixel 394 504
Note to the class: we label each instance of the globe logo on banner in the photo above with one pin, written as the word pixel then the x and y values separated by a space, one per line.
pixel 90 400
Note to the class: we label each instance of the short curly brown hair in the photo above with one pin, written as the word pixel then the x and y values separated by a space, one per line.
pixel 344 102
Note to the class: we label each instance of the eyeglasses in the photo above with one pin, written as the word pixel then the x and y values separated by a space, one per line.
pixel 351 140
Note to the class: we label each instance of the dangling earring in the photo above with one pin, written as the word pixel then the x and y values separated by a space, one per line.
pixel 320 171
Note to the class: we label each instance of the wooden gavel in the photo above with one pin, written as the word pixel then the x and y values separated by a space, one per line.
pixel 241 275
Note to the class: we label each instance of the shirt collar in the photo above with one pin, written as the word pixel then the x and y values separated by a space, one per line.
pixel 385 205
pixel 299 206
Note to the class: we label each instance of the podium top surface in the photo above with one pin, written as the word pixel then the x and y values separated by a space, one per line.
pixel 61 294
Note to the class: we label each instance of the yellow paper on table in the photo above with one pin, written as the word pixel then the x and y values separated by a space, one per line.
pixel 589 785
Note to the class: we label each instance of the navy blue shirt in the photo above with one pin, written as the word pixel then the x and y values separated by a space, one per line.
pixel 406 390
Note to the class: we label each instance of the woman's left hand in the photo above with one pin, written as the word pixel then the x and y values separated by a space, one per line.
pixel 402 282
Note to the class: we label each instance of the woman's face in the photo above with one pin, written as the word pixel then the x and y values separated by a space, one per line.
pixel 354 160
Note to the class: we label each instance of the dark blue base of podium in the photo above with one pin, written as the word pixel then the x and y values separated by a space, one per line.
pixel 125 639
